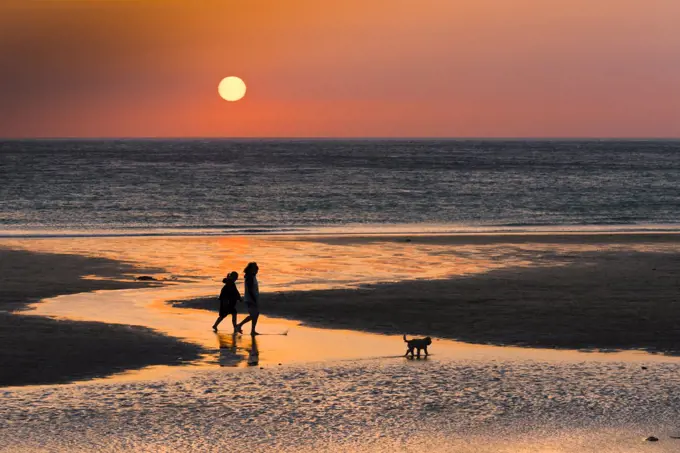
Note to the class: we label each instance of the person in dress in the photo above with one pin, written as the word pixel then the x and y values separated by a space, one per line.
pixel 228 298
pixel 252 297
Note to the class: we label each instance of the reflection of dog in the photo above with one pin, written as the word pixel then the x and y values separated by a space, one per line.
pixel 417 343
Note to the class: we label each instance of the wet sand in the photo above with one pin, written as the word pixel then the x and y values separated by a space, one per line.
pixel 459 405
pixel 342 390
pixel 598 300
pixel 38 350
pixel 578 291
pixel 335 392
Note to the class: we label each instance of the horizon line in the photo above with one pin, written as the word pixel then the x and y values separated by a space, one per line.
pixel 340 138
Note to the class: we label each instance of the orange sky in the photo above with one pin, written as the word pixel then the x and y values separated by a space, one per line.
pixel 361 68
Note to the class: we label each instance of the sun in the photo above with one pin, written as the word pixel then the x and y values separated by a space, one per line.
pixel 231 88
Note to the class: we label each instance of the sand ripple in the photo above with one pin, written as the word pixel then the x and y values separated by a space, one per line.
pixel 379 405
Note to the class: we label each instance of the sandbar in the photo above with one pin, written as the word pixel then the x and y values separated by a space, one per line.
pixel 40 350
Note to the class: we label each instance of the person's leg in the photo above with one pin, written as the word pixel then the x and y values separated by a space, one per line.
pixel 247 319
pixel 234 323
pixel 253 331
pixel 217 323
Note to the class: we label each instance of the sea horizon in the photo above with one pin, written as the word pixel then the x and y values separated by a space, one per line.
pixel 284 184
pixel 341 138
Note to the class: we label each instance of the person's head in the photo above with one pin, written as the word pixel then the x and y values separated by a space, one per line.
pixel 231 277
pixel 251 268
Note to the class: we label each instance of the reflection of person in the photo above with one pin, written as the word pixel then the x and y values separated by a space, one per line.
pixel 254 355
pixel 228 298
pixel 252 296
pixel 229 355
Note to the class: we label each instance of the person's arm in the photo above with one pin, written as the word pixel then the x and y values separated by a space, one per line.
pixel 250 289
pixel 235 295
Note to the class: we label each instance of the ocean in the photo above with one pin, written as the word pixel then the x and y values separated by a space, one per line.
pixel 280 185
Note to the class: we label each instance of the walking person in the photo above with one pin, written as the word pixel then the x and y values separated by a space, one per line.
pixel 228 298
pixel 252 296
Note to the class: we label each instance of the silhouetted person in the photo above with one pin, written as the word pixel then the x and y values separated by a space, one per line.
pixel 252 296
pixel 228 298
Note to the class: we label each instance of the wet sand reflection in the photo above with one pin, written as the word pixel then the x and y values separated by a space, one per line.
pixel 237 350
pixel 283 342
pixel 293 264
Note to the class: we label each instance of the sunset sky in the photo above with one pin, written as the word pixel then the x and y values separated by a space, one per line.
pixel 345 68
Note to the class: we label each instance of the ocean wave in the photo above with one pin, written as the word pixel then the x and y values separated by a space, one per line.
pixel 349 229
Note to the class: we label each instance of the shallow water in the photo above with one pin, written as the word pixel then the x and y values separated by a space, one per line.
pixel 306 262
pixel 289 263
pixel 294 263
pixel 336 390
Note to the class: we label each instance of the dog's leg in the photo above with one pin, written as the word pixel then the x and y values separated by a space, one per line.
pixel 418 352
pixel 426 354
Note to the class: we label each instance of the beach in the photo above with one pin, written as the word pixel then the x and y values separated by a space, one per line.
pixel 560 290
pixel 453 226
pixel 36 350
pixel 617 300
pixel 600 308
pixel 598 298
pixel 384 406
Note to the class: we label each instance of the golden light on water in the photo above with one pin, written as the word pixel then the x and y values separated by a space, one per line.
pixel 232 88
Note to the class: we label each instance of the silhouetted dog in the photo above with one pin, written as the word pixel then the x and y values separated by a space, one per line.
pixel 417 343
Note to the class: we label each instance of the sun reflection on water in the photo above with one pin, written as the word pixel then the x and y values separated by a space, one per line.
pixel 289 263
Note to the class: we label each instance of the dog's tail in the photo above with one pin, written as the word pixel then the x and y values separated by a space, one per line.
pixel 405 340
